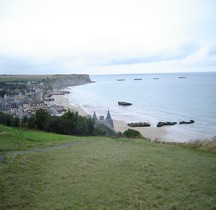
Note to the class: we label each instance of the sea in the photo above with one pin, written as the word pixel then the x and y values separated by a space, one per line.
pixel 163 97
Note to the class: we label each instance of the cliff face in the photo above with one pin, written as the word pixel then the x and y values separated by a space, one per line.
pixel 62 81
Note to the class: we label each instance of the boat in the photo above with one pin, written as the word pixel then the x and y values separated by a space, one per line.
pixel 120 79
pixel 156 78
pixel 138 79
pixel 182 77
pixel 123 103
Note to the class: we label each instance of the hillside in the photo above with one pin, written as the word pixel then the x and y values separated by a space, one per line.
pixel 102 173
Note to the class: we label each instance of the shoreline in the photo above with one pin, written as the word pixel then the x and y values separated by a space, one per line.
pixel 167 134
pixel 93 99
pixel 61 100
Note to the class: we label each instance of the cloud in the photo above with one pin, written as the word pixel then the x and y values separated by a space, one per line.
pixel 178 53
pixel 13 64
pixel 9 62
pixel 75 36
pixel 65 63
pixel 212 51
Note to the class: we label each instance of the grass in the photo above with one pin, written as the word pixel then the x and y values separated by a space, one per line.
pixel 14 139
pixel 205 145
pixel 104 173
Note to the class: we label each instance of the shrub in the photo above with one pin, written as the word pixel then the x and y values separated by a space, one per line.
pixel 101 129
pixel 131 133
pixel 206 145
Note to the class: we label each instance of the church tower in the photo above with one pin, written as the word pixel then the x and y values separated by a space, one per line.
pixel 109 119
pixel 94 116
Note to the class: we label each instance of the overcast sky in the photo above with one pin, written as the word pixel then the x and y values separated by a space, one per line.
pixel 107 36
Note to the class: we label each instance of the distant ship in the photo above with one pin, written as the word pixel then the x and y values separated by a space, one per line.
pixel 182 77
pixel 138 79
pixel 120 79
pixel 124 103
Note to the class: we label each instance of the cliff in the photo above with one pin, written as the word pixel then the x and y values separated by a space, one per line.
pixel 65 80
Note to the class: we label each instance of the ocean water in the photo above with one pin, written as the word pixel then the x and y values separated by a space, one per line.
pixel 167 98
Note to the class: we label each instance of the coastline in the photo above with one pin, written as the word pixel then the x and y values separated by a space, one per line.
pixel 152 133
pixel 60 100
pixel 166 134
pixel 106 92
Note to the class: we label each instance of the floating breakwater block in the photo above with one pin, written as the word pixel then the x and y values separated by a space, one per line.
pixel 123 103
pixel 139 124
pixel 160 124
pixel 185 122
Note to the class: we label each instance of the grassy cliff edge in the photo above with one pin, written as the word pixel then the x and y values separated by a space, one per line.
pixel 102 173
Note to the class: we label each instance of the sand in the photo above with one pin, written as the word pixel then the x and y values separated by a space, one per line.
pixel 60 100
pixel 149 132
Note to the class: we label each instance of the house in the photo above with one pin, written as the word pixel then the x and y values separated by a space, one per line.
pixel 108 121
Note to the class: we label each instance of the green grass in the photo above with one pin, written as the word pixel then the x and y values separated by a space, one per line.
pixel 14 139
pixel 104 173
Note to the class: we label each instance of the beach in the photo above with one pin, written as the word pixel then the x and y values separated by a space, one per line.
pixel 61 100
pixel 166 133
pixel 152 133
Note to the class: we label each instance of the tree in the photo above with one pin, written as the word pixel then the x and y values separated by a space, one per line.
pixel 54 125
pixel 32 122
pixel 6 119
pixel 15 122
pixel 42 117
pixel 2 93
pixel 9 120
pixel 24 121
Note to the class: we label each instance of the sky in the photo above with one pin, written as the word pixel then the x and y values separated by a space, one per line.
pixel 107 36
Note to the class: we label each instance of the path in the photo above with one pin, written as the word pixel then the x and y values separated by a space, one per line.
pixel 14 153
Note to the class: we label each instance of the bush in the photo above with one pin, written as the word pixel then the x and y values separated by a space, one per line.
pixel 206 145
pixel 131 133
pixel 101 129
pixel 8 120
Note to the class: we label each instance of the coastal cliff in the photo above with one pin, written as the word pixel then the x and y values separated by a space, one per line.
pixel 65 80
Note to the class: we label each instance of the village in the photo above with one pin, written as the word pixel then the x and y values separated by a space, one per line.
pixel 27 98
pixel 23 98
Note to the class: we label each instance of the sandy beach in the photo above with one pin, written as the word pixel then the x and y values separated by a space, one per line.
pixel 150 132
pixel 60 100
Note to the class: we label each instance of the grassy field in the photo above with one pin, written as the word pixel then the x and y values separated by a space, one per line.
pixel 12 139
pixel 103 173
